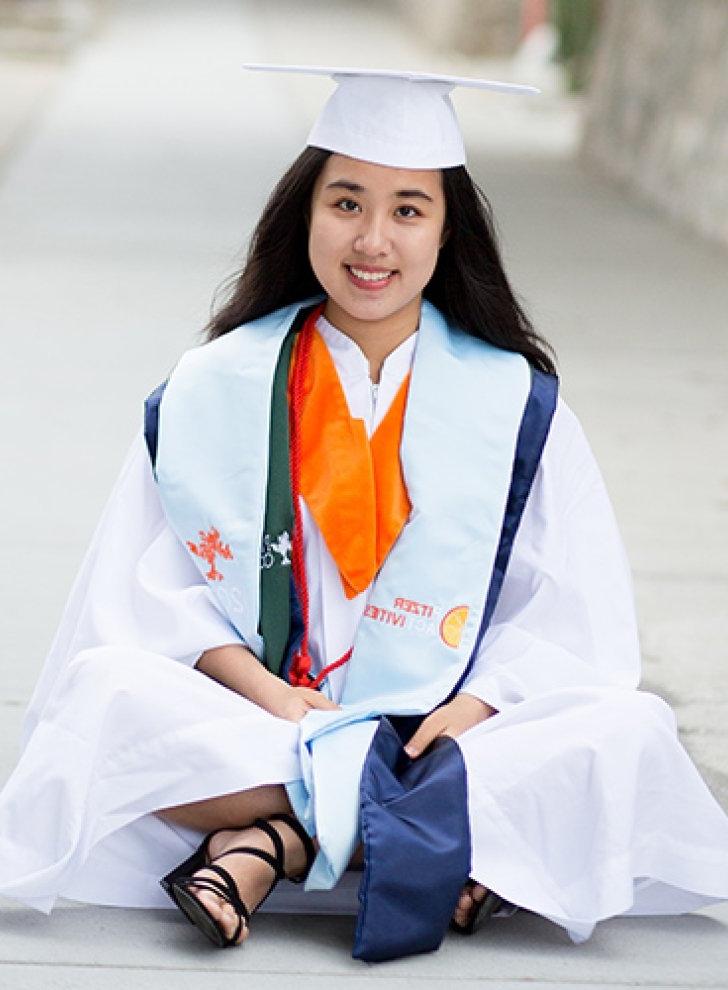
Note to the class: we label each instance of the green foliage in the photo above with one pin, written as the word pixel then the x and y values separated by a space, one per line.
pixel 576 23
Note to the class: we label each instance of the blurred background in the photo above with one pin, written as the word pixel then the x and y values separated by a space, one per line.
pixel 136 154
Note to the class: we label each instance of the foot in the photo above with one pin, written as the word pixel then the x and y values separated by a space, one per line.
pixel 252 876
pixel 471 896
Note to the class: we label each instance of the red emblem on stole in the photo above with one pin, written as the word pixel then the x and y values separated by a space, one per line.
pixel 209 547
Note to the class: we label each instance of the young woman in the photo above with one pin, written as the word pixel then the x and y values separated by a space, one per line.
pixel 360 583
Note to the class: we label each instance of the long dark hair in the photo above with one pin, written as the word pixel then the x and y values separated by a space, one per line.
pixel 469 285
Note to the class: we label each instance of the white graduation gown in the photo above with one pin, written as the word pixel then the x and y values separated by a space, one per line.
pixel 582 802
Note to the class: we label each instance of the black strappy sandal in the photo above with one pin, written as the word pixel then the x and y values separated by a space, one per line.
pixel 179 882
pixel 480 913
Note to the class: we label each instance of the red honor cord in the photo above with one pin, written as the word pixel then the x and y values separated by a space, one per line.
pixel 299 674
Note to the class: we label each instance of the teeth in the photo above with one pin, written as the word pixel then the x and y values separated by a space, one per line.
pixel 370 276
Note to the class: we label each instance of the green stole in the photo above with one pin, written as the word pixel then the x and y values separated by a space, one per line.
pixel 275 575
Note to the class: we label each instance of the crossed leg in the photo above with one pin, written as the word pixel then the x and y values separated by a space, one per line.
pixel 252 875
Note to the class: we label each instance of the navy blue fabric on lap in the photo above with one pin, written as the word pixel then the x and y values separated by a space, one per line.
pixel 415 861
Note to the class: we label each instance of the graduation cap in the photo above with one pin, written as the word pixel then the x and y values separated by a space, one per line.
pixel 391 117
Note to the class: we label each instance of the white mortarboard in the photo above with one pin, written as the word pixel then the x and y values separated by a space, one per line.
pixel 391 117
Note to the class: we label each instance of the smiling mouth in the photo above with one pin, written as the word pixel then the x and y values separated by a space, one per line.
pixel 364 278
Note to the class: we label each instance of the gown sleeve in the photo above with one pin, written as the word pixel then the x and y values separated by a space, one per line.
pixel 137 586
pixel 566 615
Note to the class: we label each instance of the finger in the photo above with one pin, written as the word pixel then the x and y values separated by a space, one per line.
pixel 310 696
pixel 298 713
pixel 317 700
pixel 428 730
pixel 455 727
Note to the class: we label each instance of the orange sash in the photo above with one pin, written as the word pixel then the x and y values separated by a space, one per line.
pixel 353 486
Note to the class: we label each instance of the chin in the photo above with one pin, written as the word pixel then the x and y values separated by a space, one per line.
pixel 368 309
pixel 372 312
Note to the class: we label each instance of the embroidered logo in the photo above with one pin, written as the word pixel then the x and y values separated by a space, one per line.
pixel 421 618
pixel 406 614
pixel 209 547
pixel 414 608
pixel 453 624
pixel 386 616
pixel 281 546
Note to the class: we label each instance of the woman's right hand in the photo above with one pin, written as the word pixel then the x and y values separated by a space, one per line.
pixel 292 703
pixel 235 666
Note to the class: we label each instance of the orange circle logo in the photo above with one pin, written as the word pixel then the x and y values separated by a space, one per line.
pixel 452 625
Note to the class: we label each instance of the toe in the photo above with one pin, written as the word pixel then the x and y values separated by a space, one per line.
pixel 471 896
pixel 478 893
pixel 230 921
pixel 220 910
pixel 462 909
pixel 464 901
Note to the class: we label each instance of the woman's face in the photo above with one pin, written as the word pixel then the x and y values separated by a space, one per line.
pixel 374 234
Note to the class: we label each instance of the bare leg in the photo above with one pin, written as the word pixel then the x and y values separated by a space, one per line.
pixel 230 810
pixel 238 810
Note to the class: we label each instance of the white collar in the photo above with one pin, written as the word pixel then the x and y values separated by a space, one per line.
pixel 351 362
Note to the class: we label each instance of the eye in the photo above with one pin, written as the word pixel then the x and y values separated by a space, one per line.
pixel 415 212
pixel 350 201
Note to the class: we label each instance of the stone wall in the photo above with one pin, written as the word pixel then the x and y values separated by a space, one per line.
pixel 657 112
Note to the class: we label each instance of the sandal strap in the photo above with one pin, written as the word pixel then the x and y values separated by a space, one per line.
pixel 305 838
pixel 277 841
pixel 227 893
pixel 208 884
pixel 215 887
pixel 232 896
pixel 205 847
pixel 228 890
pixel 260 853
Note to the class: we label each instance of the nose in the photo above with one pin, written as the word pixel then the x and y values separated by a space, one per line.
pixel 372 236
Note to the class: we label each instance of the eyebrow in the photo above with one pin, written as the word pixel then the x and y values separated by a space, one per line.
pixel 402 193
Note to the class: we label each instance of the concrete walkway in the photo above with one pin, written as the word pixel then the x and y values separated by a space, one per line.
pixel 127 202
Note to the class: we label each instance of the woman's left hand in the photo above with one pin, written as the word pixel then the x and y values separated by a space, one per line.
pixel 452 719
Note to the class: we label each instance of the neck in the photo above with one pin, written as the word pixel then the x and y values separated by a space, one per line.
pixel 376 338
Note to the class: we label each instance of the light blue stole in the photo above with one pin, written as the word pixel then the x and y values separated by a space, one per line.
pixel 465 405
